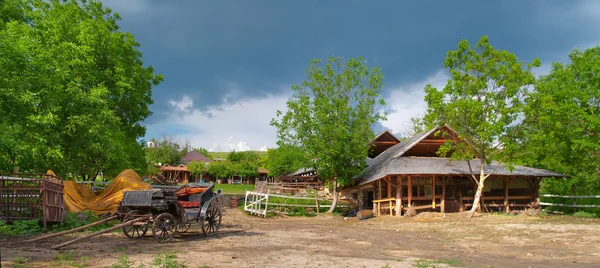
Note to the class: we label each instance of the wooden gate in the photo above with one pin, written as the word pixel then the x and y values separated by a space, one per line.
pixel 39 197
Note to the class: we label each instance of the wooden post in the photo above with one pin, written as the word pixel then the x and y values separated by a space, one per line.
pixel 317 201
pixel 98 233
pixel 399 196
pixel 433 192
pixel 71 230
pixel 409 191
pixel 443 200
pixel 378 189
pixel 574 199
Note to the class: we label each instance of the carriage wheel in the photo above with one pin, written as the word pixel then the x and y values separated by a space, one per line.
pixel 133 231
pixel 183 227
pixel 212 221
pixel 164 227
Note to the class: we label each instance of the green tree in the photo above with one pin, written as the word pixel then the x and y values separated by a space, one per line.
pixel 563 116
pixel 220 169
pixel 168 150
pixel 74 89
pixel 198 168
pixel 330 117
pixel 284 160
pixel 482 101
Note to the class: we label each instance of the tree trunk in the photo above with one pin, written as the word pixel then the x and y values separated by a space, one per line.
pixel 479 191
pixel 335 197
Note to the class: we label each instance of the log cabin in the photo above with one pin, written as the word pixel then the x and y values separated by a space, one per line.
pixel 411 174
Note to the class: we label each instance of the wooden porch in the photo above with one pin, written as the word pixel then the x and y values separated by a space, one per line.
pixel 394 194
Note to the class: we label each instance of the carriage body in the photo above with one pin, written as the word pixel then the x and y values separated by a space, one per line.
pixel 170 211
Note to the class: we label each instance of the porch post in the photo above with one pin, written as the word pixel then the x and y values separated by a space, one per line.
pixel 409 191
pixel 399 196
pixel 506 184
pixel 433 192
pixel 389 188
pixel 443 200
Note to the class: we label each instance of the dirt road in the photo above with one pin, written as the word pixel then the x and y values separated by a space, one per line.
pixel 328 241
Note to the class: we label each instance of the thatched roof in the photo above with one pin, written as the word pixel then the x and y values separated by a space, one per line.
pixel 394 161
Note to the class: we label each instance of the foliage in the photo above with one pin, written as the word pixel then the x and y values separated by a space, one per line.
pixel 416 125
pixel 583 214
pixel 434 263
pixel 197 168
pixel 74 89
pixel 220 169
pixel 22 227
pixel 168 260
pixel 482 101
pixel 167 150
pixel 284 160
pixel 563 132
pixel 330 117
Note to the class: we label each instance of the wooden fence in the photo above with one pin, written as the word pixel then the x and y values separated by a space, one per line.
pixel 574 205
pixel 257 202
pixel 39 197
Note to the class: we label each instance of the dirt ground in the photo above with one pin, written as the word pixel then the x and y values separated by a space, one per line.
pixel 428 240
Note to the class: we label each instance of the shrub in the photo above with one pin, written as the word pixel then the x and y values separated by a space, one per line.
pixel 583 214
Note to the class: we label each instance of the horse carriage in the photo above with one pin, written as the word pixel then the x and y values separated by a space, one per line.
pixel 170 211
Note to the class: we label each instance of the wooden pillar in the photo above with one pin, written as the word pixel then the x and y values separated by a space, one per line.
pixel 360 199
pixel 433 192
pixel 399 196
pixel 409 191
pixel 378 189
pixel 443 200
pixel 389 189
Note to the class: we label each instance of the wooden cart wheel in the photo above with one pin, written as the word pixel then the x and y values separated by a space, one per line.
pixel 133 231
pixel 164 227
pixel 212 221
pixel 183 227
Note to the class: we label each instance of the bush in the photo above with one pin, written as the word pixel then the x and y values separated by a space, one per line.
pixel 24 227
pixel 70 221
pixel 583 214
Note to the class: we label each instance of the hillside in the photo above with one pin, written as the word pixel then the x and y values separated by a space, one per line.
pixel 224 154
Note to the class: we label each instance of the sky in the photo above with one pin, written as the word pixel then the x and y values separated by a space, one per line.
pixel 230 65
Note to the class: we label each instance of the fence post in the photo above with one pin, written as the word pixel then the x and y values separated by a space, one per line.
pixel 574 199
pixel 266 204
pixel 317 201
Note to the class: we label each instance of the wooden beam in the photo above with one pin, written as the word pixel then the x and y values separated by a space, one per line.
pixel 399 196
pixel 443 200
pixel 506 186
pixel 409 191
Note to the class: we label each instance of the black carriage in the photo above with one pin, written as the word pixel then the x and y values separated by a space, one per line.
pixel 170 211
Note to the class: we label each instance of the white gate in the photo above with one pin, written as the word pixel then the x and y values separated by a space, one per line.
pixel 256 203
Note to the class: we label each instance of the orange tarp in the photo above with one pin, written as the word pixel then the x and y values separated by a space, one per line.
pixel 186 190
pixel 79 197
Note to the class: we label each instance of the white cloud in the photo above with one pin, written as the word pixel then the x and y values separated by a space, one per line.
pixel 406 101
pixel 237 126
pixel 182 105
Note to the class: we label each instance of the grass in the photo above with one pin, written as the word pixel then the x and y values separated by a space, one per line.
pixel 229 189
pixel 434 263
pixel 123 262
pixel 21 262
pixel 69 259
pixel 167 260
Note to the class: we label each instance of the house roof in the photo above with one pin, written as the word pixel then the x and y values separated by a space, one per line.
pixel 382 141
pixel 397 160
pixel 263 171
pixel 173 168
pixel 194 155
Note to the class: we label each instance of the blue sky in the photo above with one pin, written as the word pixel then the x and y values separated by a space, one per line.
pixel 229 65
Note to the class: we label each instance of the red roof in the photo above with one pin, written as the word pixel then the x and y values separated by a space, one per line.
pixel 263 171
pixel 194 156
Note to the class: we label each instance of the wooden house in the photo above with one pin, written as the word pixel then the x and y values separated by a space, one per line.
pixel 180 173
pixel 411 174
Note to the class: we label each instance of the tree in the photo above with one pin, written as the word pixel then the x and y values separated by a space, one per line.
pixel 563 116
pixel 167 150
pixel 74 89
pixel 482 101
pixel 221 169
pixel 330 117
pixel 197 168
pixel 284 160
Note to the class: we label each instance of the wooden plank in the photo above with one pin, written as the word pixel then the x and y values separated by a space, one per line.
pixel 98 233
pixel 71 230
